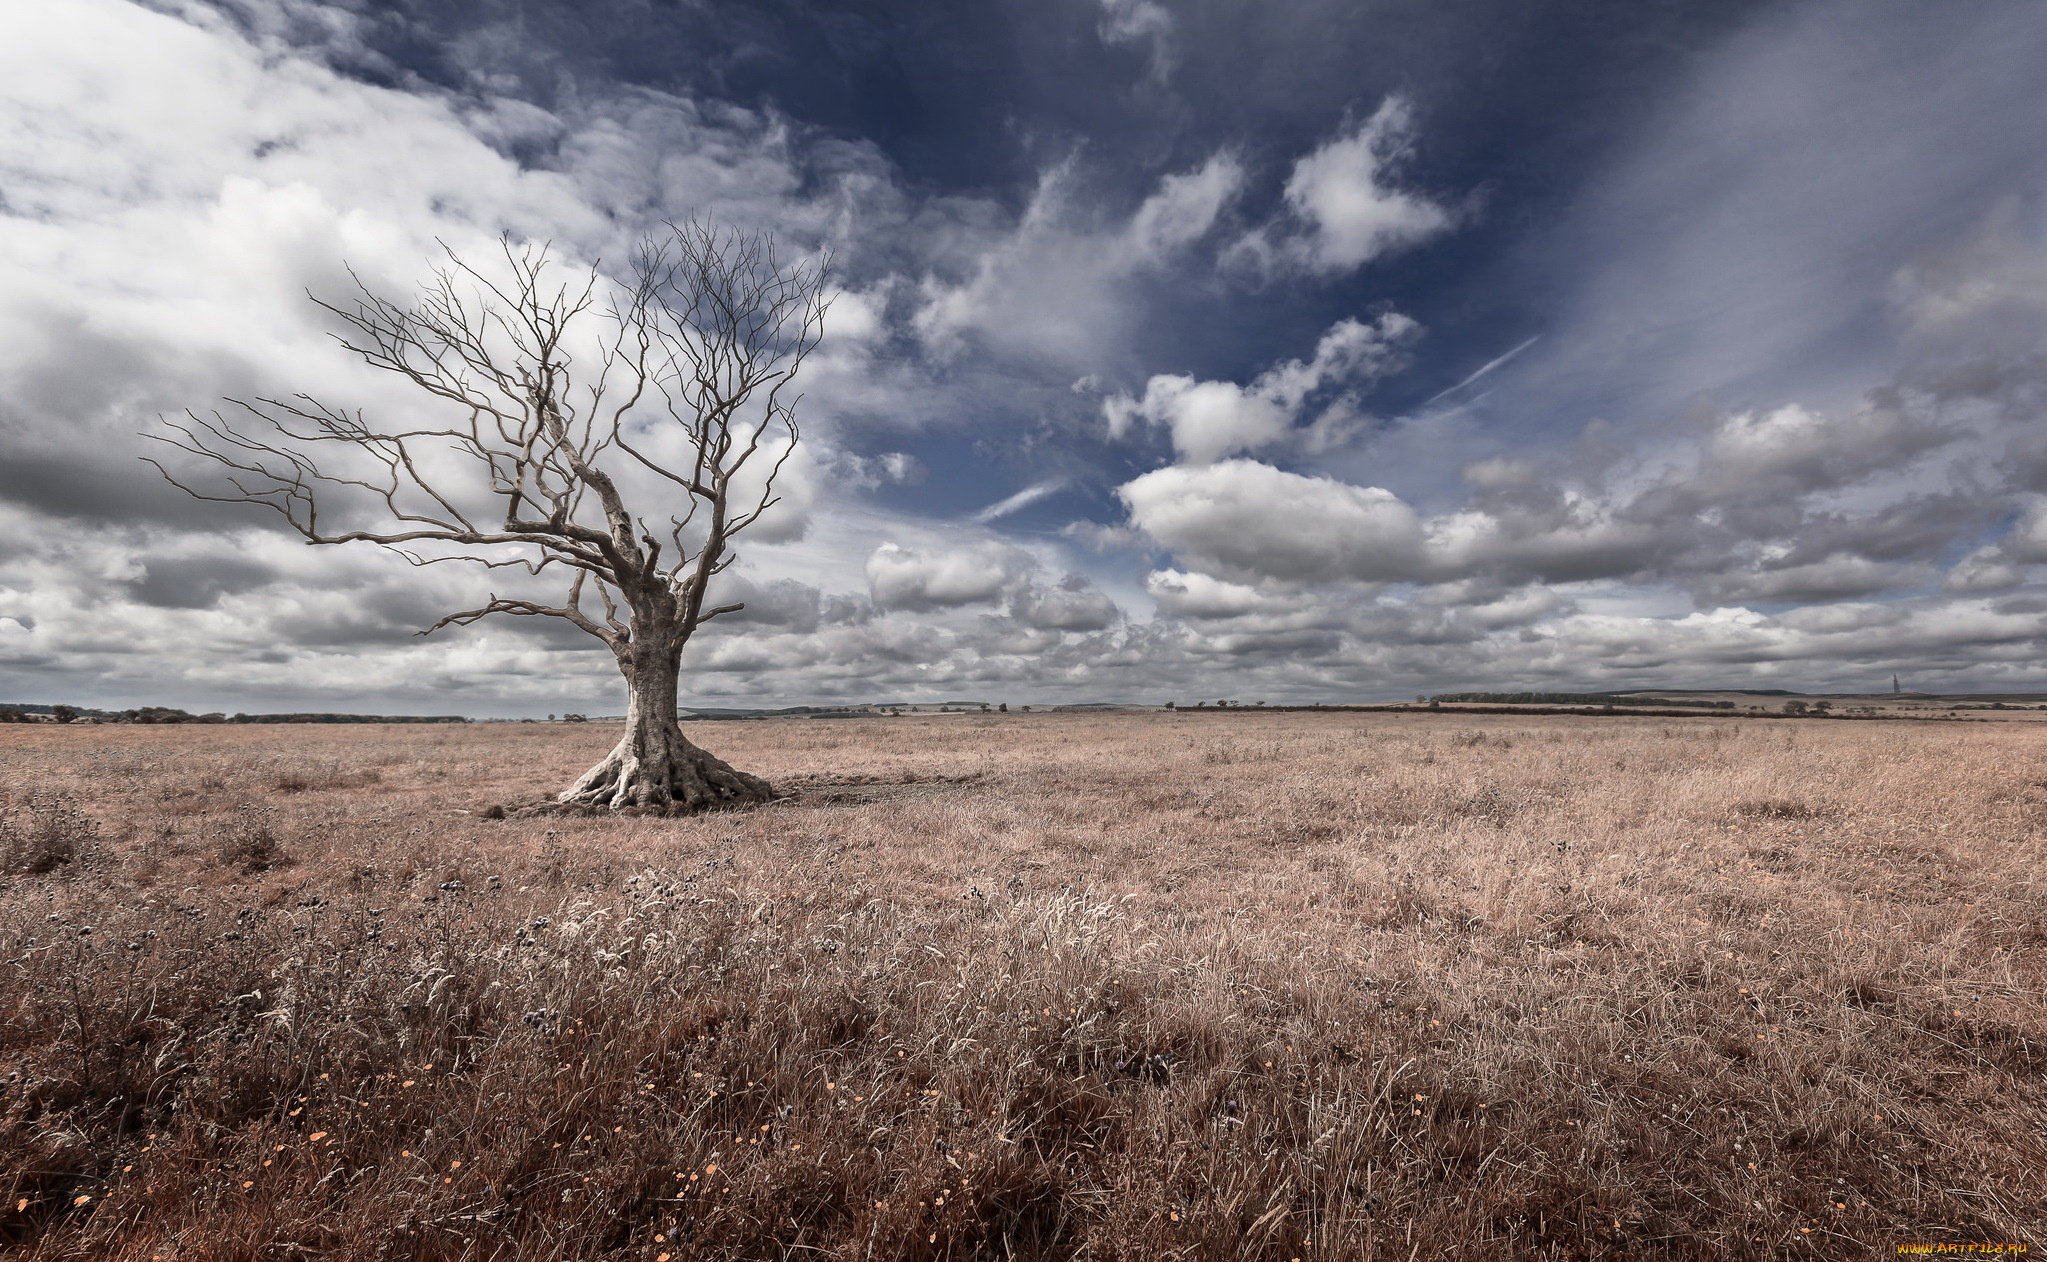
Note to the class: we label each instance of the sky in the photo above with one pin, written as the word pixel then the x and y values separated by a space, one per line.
pixel 1182 351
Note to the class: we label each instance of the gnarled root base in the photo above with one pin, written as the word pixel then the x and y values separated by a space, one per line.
pixel 661 772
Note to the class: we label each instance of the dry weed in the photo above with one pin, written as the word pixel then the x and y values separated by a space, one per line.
pixel 1258 986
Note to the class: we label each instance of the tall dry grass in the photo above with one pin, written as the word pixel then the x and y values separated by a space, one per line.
pixel 1148 986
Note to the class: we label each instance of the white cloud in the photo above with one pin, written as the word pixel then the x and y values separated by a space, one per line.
pixel 1984 570
pixel 1575 538
pixel 1075 604
pixel 1056 287
pixel 905 578
pixel 1140 22
pixel 1208 419
pixel 1022 499
pixel 1203 596
pixel 1814 448
pixel 1183 210
pixel 1995 272
pixel 173 184
pixel 1243 520
pixel 1212 419
pixel 1345 209
pixel 1832 578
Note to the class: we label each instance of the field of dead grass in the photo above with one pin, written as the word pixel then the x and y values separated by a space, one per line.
pixel 1039 986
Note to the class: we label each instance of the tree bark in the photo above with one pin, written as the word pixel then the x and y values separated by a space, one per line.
pixel 654 765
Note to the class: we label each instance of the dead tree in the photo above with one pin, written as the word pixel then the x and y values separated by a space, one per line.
pixel 553 403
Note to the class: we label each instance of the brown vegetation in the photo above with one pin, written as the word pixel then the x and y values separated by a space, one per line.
pixel 1048 986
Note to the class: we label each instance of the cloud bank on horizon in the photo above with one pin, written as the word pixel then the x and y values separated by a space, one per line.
pixel 1183 350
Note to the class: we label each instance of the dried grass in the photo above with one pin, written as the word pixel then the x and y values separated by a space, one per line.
pixel 1265 986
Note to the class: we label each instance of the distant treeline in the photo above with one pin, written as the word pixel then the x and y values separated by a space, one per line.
pixel 165 714
pixel 348 718
pixel 1578 698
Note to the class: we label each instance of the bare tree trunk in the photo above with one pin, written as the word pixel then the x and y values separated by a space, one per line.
pixel 653 764
pixel 706 338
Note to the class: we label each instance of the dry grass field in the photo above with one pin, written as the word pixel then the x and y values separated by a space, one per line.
pixel 1145 986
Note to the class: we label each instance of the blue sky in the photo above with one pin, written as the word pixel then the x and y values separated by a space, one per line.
pixel 1303 352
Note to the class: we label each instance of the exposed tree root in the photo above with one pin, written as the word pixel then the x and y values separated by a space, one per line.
pixel 655 769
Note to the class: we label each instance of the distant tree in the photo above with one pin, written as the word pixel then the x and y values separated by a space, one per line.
pixel 553 397
pixel 63 714
pixel 1822 707
pixel 1794 707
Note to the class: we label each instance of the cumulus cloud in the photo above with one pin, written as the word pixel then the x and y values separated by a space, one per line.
pixel 1240 519
pixel 1203 596
pixel 1208 419
pixel 1343 209
pixel 1074 604
pixel 174 189
pixel 1774 506
pixel 1984 570
pixel 1837 577
pixel 907 578
pixel 1212 419
pixel 172 182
